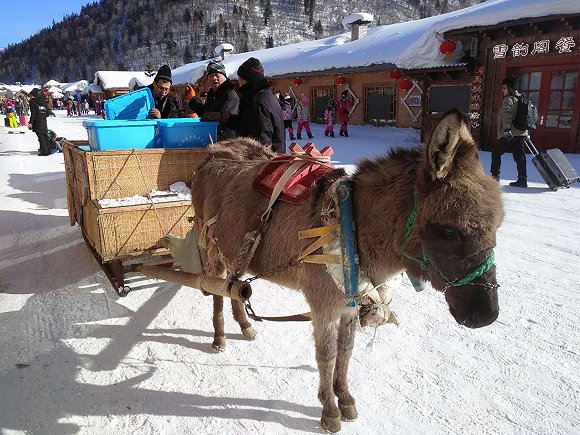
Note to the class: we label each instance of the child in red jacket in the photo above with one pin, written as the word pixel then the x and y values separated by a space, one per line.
pixel 343 107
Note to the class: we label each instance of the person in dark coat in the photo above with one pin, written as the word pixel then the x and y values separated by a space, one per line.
pixel 222 102
pixel 509 138
pixel 260 112
pixel 38 114
pixel 165 106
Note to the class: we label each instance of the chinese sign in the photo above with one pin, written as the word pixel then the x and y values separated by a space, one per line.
pixel 476 98
pixel 522 49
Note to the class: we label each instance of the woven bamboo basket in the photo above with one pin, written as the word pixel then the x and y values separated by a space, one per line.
pixel 133 231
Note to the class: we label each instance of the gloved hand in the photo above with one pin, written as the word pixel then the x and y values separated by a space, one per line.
pixel 507 134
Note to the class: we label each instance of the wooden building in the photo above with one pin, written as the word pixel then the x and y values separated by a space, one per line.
pixel 543 53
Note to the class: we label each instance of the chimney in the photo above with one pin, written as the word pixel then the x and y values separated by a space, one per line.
pixel 358 24
pixel 224 50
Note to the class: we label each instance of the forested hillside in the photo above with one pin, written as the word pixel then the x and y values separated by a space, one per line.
pixel 143 34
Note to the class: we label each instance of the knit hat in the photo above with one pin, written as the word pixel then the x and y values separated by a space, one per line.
pixel 344 95
pixel 34 92
pixel 164 73
pixel 216 66
pixel 511 82
pixel 251 70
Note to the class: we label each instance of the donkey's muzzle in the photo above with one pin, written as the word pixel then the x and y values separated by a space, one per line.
pixel 475 304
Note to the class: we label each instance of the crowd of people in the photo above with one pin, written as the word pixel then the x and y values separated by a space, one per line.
pixel 251 111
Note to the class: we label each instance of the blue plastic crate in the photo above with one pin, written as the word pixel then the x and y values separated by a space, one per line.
pixel 186 133
pixel 121 135
pixel 132 106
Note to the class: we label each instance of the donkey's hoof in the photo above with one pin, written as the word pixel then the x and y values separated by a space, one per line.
pixel 348 412
pixel 219 343
pixel 249 332
pixel 330 423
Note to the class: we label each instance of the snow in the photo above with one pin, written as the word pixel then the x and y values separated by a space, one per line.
pixel 411 44
pixel 359 17
pixel 75 358
pixel 120 79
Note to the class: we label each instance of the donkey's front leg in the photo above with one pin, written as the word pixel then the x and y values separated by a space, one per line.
pixel 346 334
pixel 219 334
pixel 325 339
pixel 242 319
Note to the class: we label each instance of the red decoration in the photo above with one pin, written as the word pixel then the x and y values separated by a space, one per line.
pixel 340 80
pixel 405 84
pixel 395 74
pixel 447 47
pixel 297 81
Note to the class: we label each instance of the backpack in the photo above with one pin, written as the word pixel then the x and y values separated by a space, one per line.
pixel 526 117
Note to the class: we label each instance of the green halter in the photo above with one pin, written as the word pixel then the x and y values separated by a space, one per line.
pixel 424 263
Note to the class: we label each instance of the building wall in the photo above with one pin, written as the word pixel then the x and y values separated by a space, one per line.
pixel 496 67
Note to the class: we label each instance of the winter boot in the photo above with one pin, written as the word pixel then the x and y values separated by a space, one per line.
pixel 310 136
pixel 345 133
pixel 299 136
pixel 292 136
pixel 341 132
pixel 326 133
pixel 519 183
pixel 332 134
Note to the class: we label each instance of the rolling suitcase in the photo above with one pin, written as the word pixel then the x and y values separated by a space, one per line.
pixel 553 166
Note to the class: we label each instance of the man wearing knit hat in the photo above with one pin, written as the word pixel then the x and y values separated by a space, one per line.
pixel 509 138
pixel 38 114
pixel 165 106
pixel 260 112
pixel 222 101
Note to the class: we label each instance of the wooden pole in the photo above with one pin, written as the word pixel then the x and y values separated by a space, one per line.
pixel 240 290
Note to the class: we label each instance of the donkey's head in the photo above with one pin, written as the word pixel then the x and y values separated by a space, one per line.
pixel 458 211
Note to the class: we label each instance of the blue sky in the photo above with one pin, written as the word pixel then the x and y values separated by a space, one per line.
pixel 23 18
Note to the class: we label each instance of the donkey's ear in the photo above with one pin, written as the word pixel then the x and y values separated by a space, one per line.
pixel 450 133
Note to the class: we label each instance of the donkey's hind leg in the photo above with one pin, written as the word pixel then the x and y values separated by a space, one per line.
pixel 346 334
pixel 325 339
pixel 242 319
pixel 219 334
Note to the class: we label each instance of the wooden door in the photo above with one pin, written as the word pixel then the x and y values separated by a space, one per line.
pixel 555 90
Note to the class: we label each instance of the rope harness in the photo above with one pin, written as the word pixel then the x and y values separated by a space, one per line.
pixel 426 260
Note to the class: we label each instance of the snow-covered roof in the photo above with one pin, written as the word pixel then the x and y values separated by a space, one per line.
pixel 408 45
pixel 74 86
pixel 141 81
pixel 95 89
pixel 120 79
pixel 50 83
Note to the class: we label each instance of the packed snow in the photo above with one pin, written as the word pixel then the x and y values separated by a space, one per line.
pixel 76 358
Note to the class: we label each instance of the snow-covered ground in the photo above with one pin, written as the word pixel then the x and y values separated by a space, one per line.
pixel 75 358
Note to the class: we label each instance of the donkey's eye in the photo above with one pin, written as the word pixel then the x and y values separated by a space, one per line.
pixel 448 230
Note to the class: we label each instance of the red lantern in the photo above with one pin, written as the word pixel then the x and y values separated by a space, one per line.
pixel 447 47
pixel 405 85
pixel 395 74
pixel 340 80
pixel 297 81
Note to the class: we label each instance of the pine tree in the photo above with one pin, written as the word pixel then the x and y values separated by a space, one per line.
pixel 267 12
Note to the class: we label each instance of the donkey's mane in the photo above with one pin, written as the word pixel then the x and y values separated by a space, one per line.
pixel 396 157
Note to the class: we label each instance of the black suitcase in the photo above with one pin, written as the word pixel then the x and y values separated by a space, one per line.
pixel 553 166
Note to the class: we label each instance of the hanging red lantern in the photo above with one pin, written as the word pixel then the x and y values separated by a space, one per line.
pixel 340 80
pixel 405 84
pixel 297 81
pixel 447 47
pixel 395 74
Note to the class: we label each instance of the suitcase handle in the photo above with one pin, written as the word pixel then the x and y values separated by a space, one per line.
pixel 531 147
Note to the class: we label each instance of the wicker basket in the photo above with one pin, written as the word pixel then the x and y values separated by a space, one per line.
pixel 133 231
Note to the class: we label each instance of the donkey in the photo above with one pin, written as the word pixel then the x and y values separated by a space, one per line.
pixel 457 210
